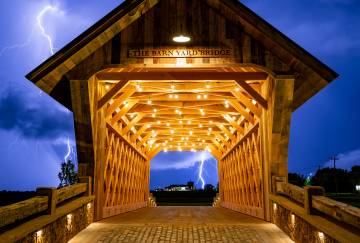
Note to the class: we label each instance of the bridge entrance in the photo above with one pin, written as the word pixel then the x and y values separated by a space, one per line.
pixel 182 75
pixel 139 111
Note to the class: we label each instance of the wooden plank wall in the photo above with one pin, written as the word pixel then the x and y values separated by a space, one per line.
pixel 208 27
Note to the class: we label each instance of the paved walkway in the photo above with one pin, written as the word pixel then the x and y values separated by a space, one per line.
pixel 181 224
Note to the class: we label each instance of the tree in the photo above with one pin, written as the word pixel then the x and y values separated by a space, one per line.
pixel 67 175
pixel 296 179
pixel 208 188
pixel 333 180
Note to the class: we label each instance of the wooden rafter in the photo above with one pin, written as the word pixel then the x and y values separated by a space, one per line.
pixel 171 111
pixel 253 93
pixel 111 93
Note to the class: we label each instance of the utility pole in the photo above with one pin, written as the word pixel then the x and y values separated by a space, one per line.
pixel 334 159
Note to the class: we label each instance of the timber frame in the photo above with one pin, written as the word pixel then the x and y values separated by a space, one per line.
pixel 127 109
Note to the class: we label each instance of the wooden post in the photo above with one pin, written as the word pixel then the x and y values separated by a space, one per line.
pixel 88 181
pixel 309 192
pixel 51 193
pixel 83 127
pixel 275 132
pixel 84 97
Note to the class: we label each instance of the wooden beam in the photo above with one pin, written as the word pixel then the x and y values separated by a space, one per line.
pixel 132 123
pixel 241 110
pixel 233 123
pixel 182 75
pixel 118 101
pixel 111 93
pixel 248 103
pixel 226 131
pixel 123 111
pixel 246 135
pixel 109 126
pixel 252 92
pixel 139 132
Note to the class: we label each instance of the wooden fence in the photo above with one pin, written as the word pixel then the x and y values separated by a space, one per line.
pixel 338 220
pixel 20 219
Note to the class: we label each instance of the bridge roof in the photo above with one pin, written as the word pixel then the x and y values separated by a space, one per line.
pixel 311 74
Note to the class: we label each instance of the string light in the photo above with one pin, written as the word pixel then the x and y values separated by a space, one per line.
pixel 176 97
pixel 167 124
pixel 226 104
pixel 172 86
pixel 237 89
pixel 189 122
pixel 138 87
pixel 159 122
pixel 200 125
pixel 208 85
pixel 149 102
pixel 198 97
pixel 107 87
pixel 253 102
pixel 205 96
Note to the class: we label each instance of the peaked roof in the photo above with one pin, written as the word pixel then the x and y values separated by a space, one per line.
pixel 125 9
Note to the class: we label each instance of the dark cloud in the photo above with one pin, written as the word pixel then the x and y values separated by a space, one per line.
pixel 33 119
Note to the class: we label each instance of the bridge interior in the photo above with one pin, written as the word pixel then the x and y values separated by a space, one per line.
pixel 141 111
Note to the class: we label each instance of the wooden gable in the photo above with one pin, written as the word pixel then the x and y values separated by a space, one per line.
pixel 153 23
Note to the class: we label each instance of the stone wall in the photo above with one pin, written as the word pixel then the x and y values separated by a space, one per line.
pixel 64 228
pixel 297 228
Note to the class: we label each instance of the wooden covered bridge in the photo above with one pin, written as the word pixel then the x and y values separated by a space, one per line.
pixel 185 75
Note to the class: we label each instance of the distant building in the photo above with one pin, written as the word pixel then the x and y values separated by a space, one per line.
pixel 188 187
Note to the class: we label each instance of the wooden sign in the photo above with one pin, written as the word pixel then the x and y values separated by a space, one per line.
pixel 185 52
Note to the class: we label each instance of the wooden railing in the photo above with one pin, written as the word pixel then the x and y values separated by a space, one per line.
pixel 18 211
pixel 297 210
pixel 51 202
pixel 217 200
pixel 312 199
pixel 152 201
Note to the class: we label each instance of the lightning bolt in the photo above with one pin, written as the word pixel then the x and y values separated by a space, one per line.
pixel 16 46
pixel 68 150
pixel 39 17
pixel 201 171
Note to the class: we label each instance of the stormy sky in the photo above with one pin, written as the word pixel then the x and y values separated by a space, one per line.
pixel 34 128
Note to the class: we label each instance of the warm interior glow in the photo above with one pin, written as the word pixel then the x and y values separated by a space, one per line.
pixel 181 39
pixel 184 115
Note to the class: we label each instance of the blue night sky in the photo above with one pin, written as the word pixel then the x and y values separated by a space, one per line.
pixel 34 128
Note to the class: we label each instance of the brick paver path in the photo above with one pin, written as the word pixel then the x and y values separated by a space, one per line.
pixel 181 224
